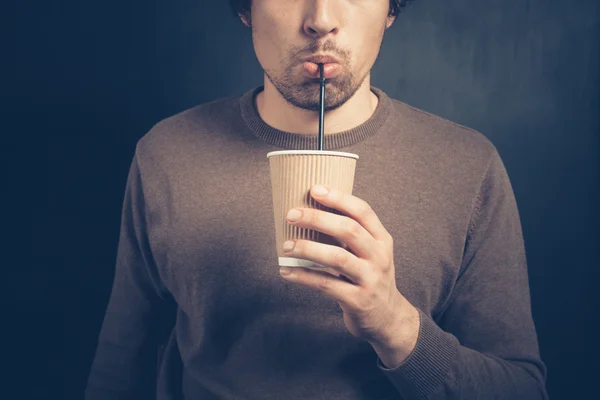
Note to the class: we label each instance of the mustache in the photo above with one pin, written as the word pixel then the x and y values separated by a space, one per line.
pixel 328 47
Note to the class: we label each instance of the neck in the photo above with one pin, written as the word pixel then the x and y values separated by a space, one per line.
pixel 278 113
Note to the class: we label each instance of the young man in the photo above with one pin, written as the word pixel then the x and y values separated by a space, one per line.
pixel 435 304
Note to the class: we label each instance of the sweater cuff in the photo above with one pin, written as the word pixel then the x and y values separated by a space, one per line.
pixel 426 368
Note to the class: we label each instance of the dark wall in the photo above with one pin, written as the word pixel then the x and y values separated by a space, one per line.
pixel 87 79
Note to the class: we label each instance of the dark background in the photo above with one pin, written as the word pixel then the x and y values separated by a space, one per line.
pixel 87 79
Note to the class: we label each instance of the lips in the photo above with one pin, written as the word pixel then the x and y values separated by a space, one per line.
pixel 331 66
pixel 322 60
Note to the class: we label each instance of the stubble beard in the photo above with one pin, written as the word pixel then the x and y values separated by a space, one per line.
pixel 304 93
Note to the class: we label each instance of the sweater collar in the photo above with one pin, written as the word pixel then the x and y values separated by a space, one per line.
pixel 295 141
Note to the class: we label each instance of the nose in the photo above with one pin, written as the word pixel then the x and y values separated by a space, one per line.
pixel 321 18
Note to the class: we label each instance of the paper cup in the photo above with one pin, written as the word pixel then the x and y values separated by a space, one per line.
pixel 293 174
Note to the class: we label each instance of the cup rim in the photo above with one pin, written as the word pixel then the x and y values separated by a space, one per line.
pixel 312 152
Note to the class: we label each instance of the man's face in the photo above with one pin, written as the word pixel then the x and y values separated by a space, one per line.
pixel 285 32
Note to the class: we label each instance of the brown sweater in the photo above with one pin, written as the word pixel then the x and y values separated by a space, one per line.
pixel 197 242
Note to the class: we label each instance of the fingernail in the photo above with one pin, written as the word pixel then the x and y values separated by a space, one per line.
pixel 320 190
pixel 288 246
pixel 294 215
pixel 285 270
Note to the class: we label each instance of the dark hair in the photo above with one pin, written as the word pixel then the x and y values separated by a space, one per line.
pixel 242 7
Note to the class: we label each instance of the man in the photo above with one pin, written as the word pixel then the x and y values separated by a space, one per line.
pixel 435 300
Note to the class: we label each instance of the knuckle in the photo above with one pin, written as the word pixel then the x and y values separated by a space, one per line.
pixel 384 255
pixel 365 301
pixel 354 229
pixel 340 257
pixel 390 240
pixel 387 261
pixel 325 281
pixel 316 217
pixel 386 265
pixel 299 246
pixel 366 209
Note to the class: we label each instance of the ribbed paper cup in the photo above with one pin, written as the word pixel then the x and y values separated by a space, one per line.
pixel 293 174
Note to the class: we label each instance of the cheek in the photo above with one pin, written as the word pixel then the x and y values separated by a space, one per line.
pixel 367 48
pixel 269 40
pixel 264 46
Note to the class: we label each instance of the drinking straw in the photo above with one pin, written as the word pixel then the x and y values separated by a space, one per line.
pixel 321 108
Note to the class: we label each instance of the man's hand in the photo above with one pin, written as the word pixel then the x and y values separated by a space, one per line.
pixel 374 310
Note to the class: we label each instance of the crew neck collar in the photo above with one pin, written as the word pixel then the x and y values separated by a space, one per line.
pixel 296 141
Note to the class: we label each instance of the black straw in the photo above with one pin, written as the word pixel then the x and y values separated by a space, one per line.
pixel 322 108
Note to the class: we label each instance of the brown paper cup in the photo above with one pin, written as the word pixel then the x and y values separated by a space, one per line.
pixel 293 174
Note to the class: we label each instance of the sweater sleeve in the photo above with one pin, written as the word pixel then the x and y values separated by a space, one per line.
pixel 125 361
pixel 483 345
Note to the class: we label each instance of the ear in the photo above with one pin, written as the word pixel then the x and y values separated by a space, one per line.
pixel 390 21
pixel 246 19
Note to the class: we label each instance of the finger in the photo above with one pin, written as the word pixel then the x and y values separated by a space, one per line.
pixel 342 228
pixel 340 260
pixel 355 208
pixel 345 247
pixel 334 287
